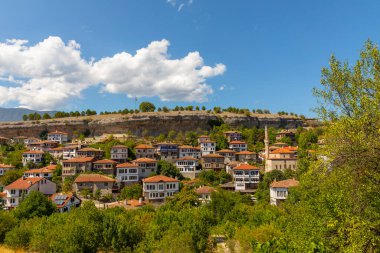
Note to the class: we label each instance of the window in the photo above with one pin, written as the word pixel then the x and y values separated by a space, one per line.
pixel 160 186
pixel 13 191
pixel 105 184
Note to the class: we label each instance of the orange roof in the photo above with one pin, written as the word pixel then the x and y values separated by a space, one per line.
pixel 204 190
pixel 245 153
pixel 90 149
pixel 49 168
pixel 189 147
pixel 212 156
pixel 57 149
pixel 80 160
pixel 207 141
pixel 82 178
pixel 144 146
pixel 135 203
pixel 237 142
pixel 226 151
pixel 126 165
pixel 105 161
pixel 285 150
pixel 159 178
pixel 144 160
pixel 7 166
pixel 57 132
pixel 285 183
pixel 3 194
pixel 68 197
pixel 23 184
pixel 246 166
pixel 186 158
pixel 33 152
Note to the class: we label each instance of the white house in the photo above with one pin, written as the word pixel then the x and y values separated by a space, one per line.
pixel 143 150
pixel 159 187
pixel 33 156
pixel 204 193
pixel 186 150
pixel 208 147
pixel 233 135
pixel 188 166
pixel 238 146
pixel 146 166
pixel 45 172
pixel 229 155
pixel 77 165
pixel 65 201
pixel 282 159
pixel 203 138
pixel 127 173
pixel 279 190
pixel 246 177
pixel 60 137
pixel 23 186
pixel 69 152
pixel 119 153
pixel 6 167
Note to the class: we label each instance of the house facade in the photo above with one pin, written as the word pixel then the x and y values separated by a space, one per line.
pixel 143 150
pixel 127 173
pixel 77 165
pixel 32 156
pixel 233 135
pixel 90 152
pixel 279 190
pixel 65 201
pixel 167 151
pixel 246 156
pixel 204 193
pixel 208 147
pixel 94 182
pixel 229 155
pixel 119 153
pixel 6 167
pixel 188 166
pixel 106 166
pixel 238 146
pixel 58 136
pixel 45 172
pixel 157 188
pixel 213 162
pixel 282 159
pixel 146 166
pixel 189 151
pixel 246 177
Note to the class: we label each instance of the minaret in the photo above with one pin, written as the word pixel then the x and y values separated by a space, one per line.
pixel 266 142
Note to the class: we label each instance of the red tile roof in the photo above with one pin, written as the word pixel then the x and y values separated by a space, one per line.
pixel 187 158
pixel 105 161
pixel 226 151
pixel 144 146
pixel 212 156
pixel 23 183
pixel 58 132
pixel 237 142
pixel 144 160
pixel 82 178
pixel 33 152
pixel 204 190
pixel 285 150
pixel 80 160
pixel 159 178
pixel 285 183
pixel 126 165
pixel 188 147
pixel 7 166
pixel 47 169
pixel 246 166
pixel 135 203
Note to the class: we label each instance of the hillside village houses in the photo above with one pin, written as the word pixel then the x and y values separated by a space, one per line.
pixel 229 155
pixel 157 188
pixel 167 151
pixel 45 172
pixel 77 165
pixel 238 146
pixel 279 190
pixel 58 136
pixel 187 150
pixel 128 173
pixel 188 166
pixel 143 150
pixel 246 177
pixel 119 153
pixel 94 182
pixel 208 147
pixel 32 156
pixel 5 167
pixel 233 135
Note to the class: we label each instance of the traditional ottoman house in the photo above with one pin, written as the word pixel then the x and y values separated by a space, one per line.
pixel 119 153
pixel 143 150
pixel 204 193
pixel 246 177
pixel 127 173
pixel 69 152
pixel 31 140
pixel 146 166
pixel 229 155
pixel 21 188
pixel 157 188
pixel 189 151
pixel 32 156
pixel 44 146
pixel 290 133
pixel 238 146
pixel 282 159
pixel 188 166
pixel 208 147
pixel 77 165
pixel 45 172
pixel 106 166
pixel 213 162
pixel 90 152
pixel 60 137
pixel 279 190
pixel 167 151
pixel 6 167
pixel 57 153
pixel 246 156
pixel 94 182
pixel 19 139
pixel 203 138
pixel 65 201
pixel 233 135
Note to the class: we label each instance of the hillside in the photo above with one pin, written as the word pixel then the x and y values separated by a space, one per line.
pixel 152 123
pixel 15 114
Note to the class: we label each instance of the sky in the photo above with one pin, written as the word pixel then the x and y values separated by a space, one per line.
pixel 97 54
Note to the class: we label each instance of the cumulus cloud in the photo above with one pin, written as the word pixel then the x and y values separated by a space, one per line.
pixel 48 74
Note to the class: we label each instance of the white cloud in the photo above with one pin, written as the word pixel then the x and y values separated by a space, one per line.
pixel 181 3
pixel 47 75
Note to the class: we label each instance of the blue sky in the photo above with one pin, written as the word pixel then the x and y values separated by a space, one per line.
pixel 270 53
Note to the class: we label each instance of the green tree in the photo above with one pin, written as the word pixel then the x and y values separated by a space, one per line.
pixel 25 117
pixel 147 107
pixel 167 169
pixel 34 205
pixel 10 176
pixel 131 192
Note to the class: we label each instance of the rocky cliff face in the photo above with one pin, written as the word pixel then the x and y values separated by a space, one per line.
pixel 145 123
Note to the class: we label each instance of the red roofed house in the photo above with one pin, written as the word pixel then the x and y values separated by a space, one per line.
pixel 119 153
pixel 279 190
pixel 281 159
pixel 144 150
pixel 5 167
pixel 213 162
pixel 208 147
pixel 45 172
pixel 188 166
pixel 65 201
pixel 246 177
pixel 93 182
pixel 44 146
pixel 290 133
pixel 146 166
pixel 60 137
pixel 32 156
pixel 77 165
pixel 246 156
pixel 203 138
pixel 186 150
pixel 167 151
pixel 238 146
pixel 23 186
pixel 106 166
pixel 229 155
pixel 127 173
pixel 93 152
pixel 159 187
pixel 233 135
pixel 204 193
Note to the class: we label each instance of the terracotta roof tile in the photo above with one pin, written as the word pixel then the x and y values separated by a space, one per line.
pixel 82 178
pixel 245 153
pixel 80 160
pixel 204 190
pixel 212 156
pixel 126 165
pixel 144 160
pixel 159 178
pixel 246 166
pixel 285 183
pixel 135 203
pixel 187 158
pixel 144 146
pixel 7 166
pixel 33 152
pixel 237 142
pixel 23 183
pixel 226 151
pixel 46 169
pixel 105 161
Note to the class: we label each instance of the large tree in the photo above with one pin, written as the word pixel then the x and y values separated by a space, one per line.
pixel 147 107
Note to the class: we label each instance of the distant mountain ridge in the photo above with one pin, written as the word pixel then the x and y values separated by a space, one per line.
pixel 15 114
